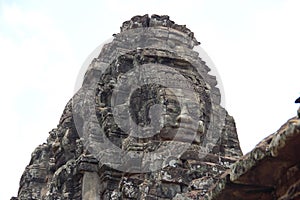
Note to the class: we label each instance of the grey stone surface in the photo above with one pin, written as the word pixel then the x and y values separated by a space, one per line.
pixel 270 171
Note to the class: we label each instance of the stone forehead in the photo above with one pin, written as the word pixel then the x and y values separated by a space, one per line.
pixel 143 35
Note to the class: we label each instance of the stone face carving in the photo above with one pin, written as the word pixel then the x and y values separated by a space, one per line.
pixel 149 77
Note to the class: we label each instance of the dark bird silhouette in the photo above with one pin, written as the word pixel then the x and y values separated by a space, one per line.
pixel 298 111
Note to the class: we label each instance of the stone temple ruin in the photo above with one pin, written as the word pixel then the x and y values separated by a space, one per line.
pixel 147 124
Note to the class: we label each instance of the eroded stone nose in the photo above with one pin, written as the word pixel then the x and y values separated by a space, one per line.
pixel 184 116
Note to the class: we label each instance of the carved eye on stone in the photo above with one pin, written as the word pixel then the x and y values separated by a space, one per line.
pixel 141 102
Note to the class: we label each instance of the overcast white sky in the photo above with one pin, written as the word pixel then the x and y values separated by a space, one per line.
pixel 253 43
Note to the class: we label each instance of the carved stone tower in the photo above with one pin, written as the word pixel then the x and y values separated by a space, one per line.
pixel 146 124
